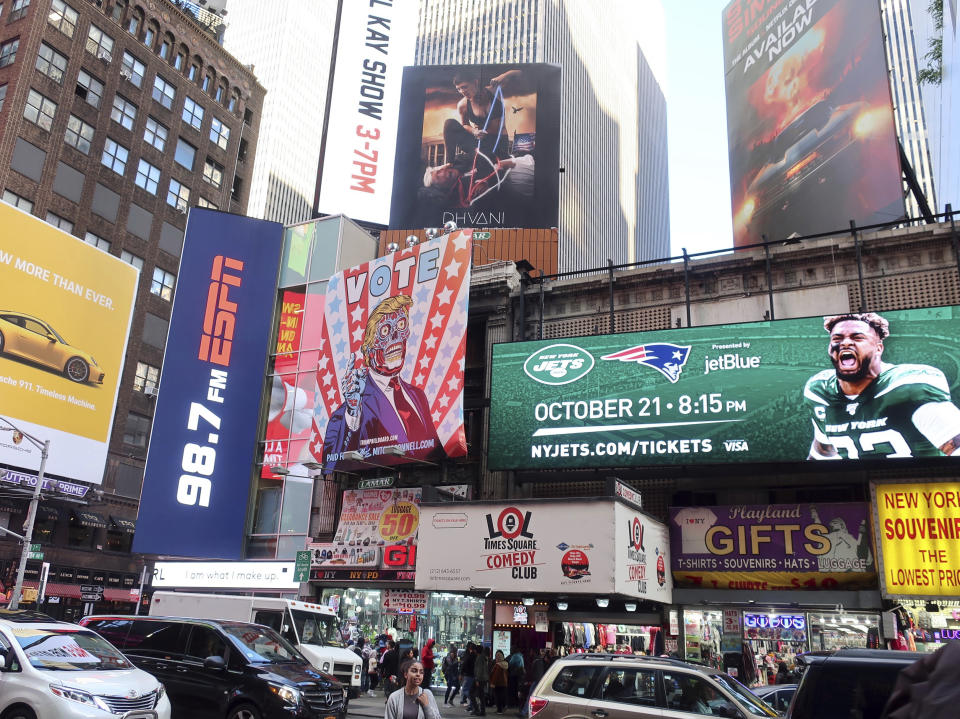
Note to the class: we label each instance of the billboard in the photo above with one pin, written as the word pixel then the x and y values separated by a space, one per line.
pixel 773 546
pixel 779 391
pixel 809 119
pixel 380 374
pixel 197 475
pixel 918 528
pixel 479 145
pixel 375 40
pixel 65 312
pixel 534 546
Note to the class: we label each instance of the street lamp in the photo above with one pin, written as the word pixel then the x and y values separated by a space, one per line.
pixel 27 539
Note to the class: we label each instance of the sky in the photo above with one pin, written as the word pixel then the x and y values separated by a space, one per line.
pixel 697 128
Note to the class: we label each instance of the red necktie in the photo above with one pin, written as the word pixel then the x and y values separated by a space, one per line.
pixel 412 424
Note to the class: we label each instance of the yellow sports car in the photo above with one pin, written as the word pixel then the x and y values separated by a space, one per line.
pixel 33 339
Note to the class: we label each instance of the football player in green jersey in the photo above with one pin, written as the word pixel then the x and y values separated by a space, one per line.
pixel 865 407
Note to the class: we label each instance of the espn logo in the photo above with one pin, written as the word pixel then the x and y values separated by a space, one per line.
pixel 219 315
pixel 735 445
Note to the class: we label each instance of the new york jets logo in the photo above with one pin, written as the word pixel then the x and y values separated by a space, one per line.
pixel 558 364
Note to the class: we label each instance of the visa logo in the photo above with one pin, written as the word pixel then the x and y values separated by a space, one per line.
pixel 735 445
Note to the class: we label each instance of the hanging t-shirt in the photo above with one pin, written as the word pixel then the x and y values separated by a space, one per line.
pixel 694 523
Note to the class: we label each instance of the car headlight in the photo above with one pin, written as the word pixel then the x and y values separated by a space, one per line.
pixel 325 667
pixel 94 362
pixel 291 695
pixel 78 696
pixel 161 691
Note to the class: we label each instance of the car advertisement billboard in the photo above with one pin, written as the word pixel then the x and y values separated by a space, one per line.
pixel 375 40
pixel 773 546
pixel 534 546
pixel 65 313
pixel 875 386
pixel 478 145
pixel 810 123
pixel 381 380
pixel 204 438
pixel 918 528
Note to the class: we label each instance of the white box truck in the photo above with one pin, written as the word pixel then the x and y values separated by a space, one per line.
pixel 312 628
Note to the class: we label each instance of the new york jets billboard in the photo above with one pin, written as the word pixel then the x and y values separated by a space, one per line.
pixel 849 386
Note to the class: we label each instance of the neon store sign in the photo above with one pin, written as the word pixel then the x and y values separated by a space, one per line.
pixel 949 634
pixel 773 621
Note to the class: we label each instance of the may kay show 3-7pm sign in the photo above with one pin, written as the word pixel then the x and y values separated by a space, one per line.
pixel 751 392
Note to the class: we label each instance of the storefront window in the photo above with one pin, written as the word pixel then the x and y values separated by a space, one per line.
pixel 702 637
pixel 833 630
pixel 455 619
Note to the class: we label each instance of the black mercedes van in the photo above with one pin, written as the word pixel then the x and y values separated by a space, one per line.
pixel 233 670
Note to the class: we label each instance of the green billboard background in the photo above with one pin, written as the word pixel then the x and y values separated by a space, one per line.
pixel 738 396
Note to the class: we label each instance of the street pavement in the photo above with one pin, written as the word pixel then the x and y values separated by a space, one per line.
pixel 367 706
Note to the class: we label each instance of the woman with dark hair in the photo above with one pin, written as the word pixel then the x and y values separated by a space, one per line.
pixel 410 701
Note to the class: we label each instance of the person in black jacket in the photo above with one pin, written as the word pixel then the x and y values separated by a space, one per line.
pixel 467 677
pixel 389 668
pixel 451 672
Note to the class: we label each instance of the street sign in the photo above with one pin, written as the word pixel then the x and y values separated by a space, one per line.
pixel 35 555
pixel 481 235
pixel 91 597
pixel 301 570
pixel 91 592
pixel 376 483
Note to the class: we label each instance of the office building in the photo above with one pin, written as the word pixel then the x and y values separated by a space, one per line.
pixel 613 139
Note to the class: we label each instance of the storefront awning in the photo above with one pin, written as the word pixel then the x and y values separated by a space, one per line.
pixel 87 518
pixel 12 506
pixel 48 513
pixel 121 524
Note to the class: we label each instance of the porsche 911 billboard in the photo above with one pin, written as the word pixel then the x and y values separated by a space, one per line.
pixel 810 125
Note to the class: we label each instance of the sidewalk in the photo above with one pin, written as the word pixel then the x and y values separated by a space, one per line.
pixel 367 706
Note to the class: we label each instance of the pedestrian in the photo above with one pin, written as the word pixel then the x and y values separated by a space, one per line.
pixel 361 650
pixel 410 701
pixel 783 674
pixel 427 659
pixel 372 670
pixel 467 677
pixel 389 663
pixel 451 672
pixel 517 673
pixel 498 680
pixel 481 676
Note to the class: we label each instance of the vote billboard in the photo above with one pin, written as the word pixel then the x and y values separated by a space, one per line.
pixel 773 546
pixel 65 313
pixel 810 124
pixel 777 391
pixel 197 476
pixel 918 528
pixel 478 145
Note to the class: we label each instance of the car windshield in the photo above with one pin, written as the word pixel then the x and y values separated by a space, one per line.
pixel 262 645
pixel 747 698
pixel 68 650
pixel 319 629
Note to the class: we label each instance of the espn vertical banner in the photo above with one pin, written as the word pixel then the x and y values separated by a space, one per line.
pixel 810 124
pixel 197 477
pixel 376 39
pixel 389 373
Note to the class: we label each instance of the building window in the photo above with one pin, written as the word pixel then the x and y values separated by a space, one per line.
pixel 116 12
pixel 234 101
pixel 132 69
pixel 136 430
pixel 3 95
pixel 61 222
pixel 115 156
pixel 185 153
pixel 51 63
pixel 213 173
pixel 178 195
pixel 99 43
pixel 219 133
pixel 179 60
pixel 206 83
pixel 150 35
pixel 204 202
pixel 124 112
pixel 192 113
pixel 12 198
pixel 147 378
pixel 221 91
pixel 89 88
pixel 132 259
pixel 148 177
pixel 40 109
pixel 155 133
pixel 194 71
pixel 165 49
pixel 18 9
pixel 97 241
pixel 79 134
pixel 8 52
pixel 133 24
pixel 63 17
pixel 163 92
pixel 162 284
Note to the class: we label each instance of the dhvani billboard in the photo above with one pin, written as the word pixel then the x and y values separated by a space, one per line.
pixel 810 125
pixel 65 311
pixel 848 387
pixel 204 435
pixel 478 145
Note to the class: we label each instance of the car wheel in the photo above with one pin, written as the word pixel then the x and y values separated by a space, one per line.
pixel 77 370
pixel 20 712
pixel 244 711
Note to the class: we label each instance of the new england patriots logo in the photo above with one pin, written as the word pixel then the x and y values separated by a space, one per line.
pixel 668 359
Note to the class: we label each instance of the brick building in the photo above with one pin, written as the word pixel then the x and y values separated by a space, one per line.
pixel 116 117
